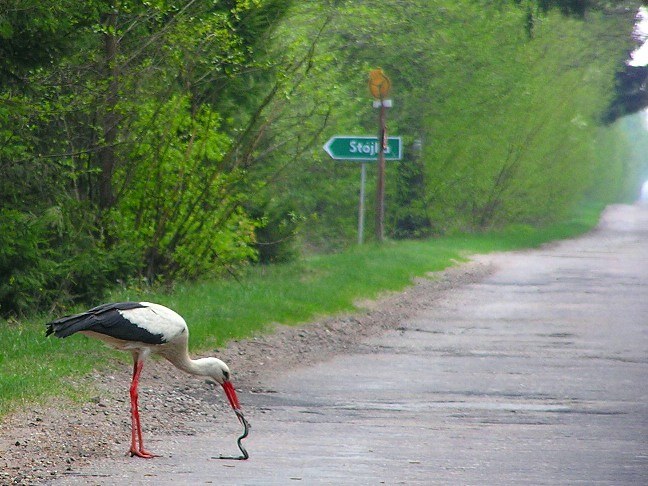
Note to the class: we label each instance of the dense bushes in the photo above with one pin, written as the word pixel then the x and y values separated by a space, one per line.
pixel 49 261
pixel 167 142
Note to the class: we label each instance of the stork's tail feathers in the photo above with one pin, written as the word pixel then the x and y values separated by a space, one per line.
pixel 96 319
pixel 66 326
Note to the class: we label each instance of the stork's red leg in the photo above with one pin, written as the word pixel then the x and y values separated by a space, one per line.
pixel 137 444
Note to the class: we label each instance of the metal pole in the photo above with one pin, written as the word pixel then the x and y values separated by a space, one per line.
pixel 380 186
pixel 361 209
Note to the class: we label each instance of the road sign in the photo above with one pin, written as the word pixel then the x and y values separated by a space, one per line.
pixel 362 149
pixel 379 84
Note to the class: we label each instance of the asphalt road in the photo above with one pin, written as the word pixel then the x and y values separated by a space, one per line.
pixel 536 375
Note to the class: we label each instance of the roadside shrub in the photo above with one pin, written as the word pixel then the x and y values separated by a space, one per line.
pixel 50 260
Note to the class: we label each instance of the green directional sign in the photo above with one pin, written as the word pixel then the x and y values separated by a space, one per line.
pixel 362 149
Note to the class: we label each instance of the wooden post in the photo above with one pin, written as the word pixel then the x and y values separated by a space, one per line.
pixel 109 118
pixel 361 205
pixel 379 87
pixel 380 185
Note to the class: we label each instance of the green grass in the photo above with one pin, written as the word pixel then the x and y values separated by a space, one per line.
pixel 35 368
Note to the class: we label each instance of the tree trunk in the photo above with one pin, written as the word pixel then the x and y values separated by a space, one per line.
pixel 109 119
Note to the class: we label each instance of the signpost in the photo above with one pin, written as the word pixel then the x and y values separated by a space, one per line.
pixel 368 149
pixel 379 87
pixel 362 149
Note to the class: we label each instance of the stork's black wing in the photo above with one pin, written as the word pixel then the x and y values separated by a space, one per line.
pixel 105 319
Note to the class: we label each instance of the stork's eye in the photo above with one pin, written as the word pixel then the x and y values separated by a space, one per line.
pixel 226 375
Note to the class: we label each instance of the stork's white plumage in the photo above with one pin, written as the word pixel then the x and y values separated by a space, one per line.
pixel 144 328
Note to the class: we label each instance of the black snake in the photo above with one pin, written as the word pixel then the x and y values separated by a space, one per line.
pixel 246 431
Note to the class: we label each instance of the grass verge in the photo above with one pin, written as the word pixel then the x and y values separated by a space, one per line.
pixel 34 368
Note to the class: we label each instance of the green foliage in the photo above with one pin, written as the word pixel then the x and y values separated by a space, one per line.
pixel 508 117
pixel 178 206
pixel 20 262
pixel 50 261
pixel 34 33
pixel 118 127
pixel 276 232
pixel 508 123
pixel 169 141
pixel 410 211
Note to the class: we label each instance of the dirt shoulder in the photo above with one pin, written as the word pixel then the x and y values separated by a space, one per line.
pixel 44 442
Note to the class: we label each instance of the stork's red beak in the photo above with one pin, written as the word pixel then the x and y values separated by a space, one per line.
pixel 231 395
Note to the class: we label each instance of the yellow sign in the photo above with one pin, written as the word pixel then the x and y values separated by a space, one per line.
pixel 379 84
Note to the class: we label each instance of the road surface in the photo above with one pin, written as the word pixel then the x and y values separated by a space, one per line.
pixel 537 374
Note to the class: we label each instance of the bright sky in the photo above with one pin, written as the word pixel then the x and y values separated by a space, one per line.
pixel 640 55
pixel 643 197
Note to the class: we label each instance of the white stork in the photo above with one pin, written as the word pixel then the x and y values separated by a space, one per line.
pixel 143 328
